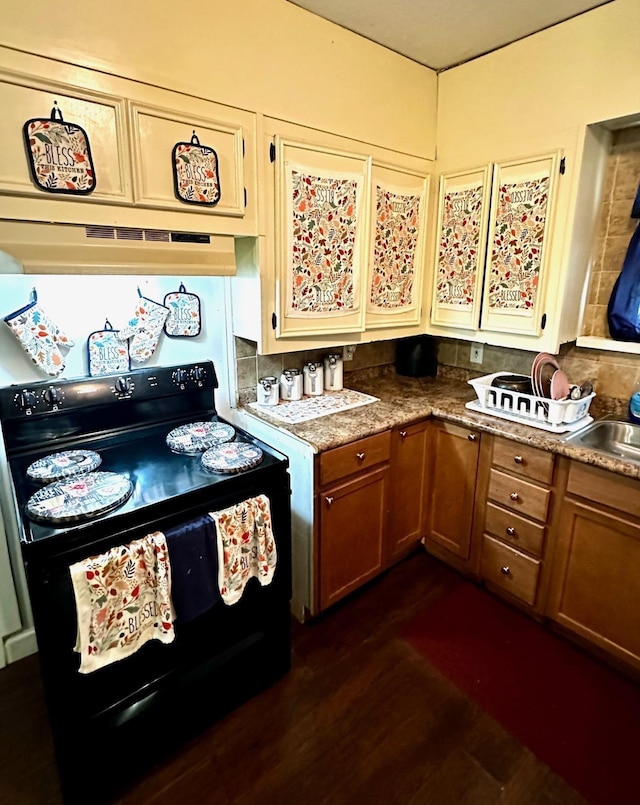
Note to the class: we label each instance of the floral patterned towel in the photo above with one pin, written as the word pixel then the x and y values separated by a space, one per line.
pixel 246 547
pixel 123 599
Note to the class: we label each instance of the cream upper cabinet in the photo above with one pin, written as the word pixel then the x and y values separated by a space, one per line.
pixel 492 247
pixel 396 256
pixel 132 130
pixel 341 256
pixel 321 227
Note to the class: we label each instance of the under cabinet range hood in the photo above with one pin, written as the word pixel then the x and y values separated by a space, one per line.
pixel 52 248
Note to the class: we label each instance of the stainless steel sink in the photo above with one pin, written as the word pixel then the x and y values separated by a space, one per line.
pixel 611 436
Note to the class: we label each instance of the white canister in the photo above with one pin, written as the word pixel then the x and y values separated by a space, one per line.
pixel 312 378
pixel 291 385
pixel 333 372
pixel 268 390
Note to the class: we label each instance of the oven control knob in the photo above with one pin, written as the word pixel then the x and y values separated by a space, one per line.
pixel 123 386
pixel 180 377
pixel 53 397
pixel 198 374
pixel 26 400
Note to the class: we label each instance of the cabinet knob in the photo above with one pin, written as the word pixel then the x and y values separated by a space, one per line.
pixel 472 437
pixel 514 496
pixel 403 434
pixel 504 570
pixel 510 530
pixel 329 500
pixel 360 456
pixel 518 460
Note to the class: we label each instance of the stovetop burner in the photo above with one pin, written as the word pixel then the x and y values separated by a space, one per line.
pixel 65 464
pixel 79 498
pixel 196 437
pixel 229 459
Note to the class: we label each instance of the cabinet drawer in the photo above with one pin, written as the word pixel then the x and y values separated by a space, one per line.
pixel 510 570
pixel 519 458
pixel 604 487
pixel 517 531
pixel 518 495
pixel 354 457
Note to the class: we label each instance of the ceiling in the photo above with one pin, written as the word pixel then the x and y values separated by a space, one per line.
pixel 443 33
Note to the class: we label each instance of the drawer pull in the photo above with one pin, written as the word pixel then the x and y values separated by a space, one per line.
pixel 504 570
pixel 510 530
pixel 360 456
pixel 514 496
pixel 403 434
pixel 518 460
pixel 472 437
pixel 329 500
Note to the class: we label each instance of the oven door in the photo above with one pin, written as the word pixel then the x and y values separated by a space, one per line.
pixel 215 662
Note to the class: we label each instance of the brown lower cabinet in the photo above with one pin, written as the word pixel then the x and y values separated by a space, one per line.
pixel 351 512
pixel 453 469
pixel 595 574
pixel 409 493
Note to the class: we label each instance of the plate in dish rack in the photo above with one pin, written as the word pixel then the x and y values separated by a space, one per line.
pixel 232 458
pixel 79 498
pixel 65 464
pixel 196 437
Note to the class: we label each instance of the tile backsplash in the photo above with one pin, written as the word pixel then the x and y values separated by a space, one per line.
pixel 615 229
pixel 613 374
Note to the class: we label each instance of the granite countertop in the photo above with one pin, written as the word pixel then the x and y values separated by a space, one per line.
pixel 403 400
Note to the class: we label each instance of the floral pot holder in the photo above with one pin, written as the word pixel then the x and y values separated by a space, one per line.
pixel 184 319
pixel 196 179
pixel 144 328
pixel 59 155
pixel 107 353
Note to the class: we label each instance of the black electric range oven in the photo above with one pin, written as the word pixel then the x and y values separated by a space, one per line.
pixel 152 700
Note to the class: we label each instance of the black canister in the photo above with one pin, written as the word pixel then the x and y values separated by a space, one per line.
pixel 417 356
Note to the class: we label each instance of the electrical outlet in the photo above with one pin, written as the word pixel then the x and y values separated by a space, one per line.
pixel 477 351
pixel 347 352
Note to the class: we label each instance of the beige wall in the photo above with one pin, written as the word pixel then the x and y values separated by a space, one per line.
pixel 582 71
pixel 267 56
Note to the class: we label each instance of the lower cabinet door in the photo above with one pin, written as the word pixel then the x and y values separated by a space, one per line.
pixel 352 524
pixel 454 463
pixel 594 583
pixel 408 488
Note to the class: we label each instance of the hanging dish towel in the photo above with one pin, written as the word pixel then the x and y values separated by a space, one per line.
pixel 194 567
pixel 123 600
pixel 246 547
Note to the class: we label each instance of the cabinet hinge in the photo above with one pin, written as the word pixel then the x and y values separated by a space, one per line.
pixel 563 164
pixel 245 197
pixel 272 152
pixel 543 321
pixel 243 147
pixel 274 321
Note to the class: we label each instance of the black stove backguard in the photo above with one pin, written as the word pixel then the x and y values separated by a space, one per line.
pixel 150 701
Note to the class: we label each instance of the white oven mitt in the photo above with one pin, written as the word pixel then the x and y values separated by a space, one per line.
pixel 40 338
pixel 144 329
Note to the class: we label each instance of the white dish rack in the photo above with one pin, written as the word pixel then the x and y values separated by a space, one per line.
pixel 557 416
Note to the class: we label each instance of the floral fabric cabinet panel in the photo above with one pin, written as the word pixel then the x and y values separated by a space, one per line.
pixel 397 247
pixel 516 260
pixel 321 232
pixel 463 214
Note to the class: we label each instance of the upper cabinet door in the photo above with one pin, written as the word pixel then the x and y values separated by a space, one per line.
pixel 321 238
pixel 463 209
pixel 517 255
pixel 156 130
pixel 397 247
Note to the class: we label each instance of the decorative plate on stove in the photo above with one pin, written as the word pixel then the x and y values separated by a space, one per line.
pixel 56 466
pixel 196 437
pixel 232 458
pixel 80 498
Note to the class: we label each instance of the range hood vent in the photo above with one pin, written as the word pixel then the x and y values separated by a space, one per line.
pixel 44 248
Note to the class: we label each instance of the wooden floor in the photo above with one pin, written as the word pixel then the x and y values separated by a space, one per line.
pixel 361 718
